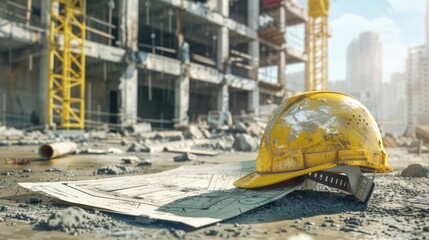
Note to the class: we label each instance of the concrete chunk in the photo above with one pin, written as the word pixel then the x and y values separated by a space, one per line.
pixel 136 147
pixel 206 133
pixel 185 157
pixel 144 162
pixel 244 142
pixel 241 127
pixel 192 132
pixel 141 127
pixel 5 143
pixel 416 170
pixel 115 170
pixel 130 159
pixel 114 150
pixel 255 130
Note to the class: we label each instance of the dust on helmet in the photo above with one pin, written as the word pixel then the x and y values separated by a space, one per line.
pixel 328 137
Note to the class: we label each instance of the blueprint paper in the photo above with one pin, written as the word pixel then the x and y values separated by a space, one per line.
pixel 194 195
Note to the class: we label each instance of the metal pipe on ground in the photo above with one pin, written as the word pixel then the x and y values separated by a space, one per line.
pixel 54 150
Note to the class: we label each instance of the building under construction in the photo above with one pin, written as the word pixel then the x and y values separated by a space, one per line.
pixel 160 61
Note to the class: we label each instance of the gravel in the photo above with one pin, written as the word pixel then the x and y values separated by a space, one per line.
pixel 389 213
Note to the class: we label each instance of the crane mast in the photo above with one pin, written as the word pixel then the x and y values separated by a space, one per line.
pixel 66 94
pixel 317 45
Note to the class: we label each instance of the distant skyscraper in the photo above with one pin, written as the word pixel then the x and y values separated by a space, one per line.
pixel 417 86
pixel 393 104
pixel 352 63
pixel 364 70
pixel 427 26
pixel 418 82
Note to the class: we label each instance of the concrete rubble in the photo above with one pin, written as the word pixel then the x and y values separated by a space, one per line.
pixel 242 136
pixel 184 157
pixel 136 161
pixel 244 142
pixel 144 162
pixel 141 128
pixel 391 140
pixel 416 170
pixel 116 170
pixel 137 147
pixel 192 132
pixel 130 159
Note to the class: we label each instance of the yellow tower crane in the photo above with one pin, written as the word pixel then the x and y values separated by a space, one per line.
pixel 317 45
pixel 66 94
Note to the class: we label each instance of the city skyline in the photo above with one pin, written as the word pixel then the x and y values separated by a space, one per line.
pixel 391 19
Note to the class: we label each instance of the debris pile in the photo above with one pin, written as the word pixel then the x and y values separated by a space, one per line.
pixel 242 136
pixel 388 141
pixel 116 170
pixel 394 141
pixel 244 142
pixel 68 220
pixel 138 138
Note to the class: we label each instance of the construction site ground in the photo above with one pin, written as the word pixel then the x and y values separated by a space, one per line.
pixel 399 208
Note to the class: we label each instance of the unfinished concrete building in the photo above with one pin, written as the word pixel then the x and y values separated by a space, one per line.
pixel 161 61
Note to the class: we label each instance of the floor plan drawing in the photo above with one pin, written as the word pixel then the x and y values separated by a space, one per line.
pixel 193 195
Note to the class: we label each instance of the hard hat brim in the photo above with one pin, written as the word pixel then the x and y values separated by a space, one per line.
pixel 258 180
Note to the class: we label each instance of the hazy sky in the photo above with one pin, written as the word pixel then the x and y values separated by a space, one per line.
pixel 400 24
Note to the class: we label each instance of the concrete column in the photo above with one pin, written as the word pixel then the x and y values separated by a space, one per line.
pixel 42 110
pixel 253 22
pixel 223 98
pixel 127 95
pixel 306 64
pixel 223 66
pixel 281 68
pixel 181 95
pixel 281 62
pixel 223 59
pixel 181 88
pixel 129 25
pixel 223 7
pixel 282 17
pixel 128 81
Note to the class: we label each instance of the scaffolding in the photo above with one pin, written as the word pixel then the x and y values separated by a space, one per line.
pixel 66 95
pixel 317 45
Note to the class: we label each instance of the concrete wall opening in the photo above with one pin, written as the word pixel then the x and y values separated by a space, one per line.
pixel 203 98
pixel 238 101
pixel 238 11
pixel 156 99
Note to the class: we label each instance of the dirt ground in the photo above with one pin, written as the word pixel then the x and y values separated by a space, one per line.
pixel 399 208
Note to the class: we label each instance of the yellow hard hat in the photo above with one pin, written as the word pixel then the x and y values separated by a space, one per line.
pixel 313 132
